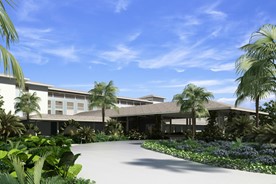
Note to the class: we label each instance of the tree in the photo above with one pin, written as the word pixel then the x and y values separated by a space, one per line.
pixel 104 96
pixel 10 124
pixel 257 67
pixel 9 34
pixel 193 100
pixel 270 108
pixel 27 103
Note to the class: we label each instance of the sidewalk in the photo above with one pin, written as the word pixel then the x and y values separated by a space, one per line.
pixel 127 163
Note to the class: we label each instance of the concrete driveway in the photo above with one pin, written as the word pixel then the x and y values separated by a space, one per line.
pixel 127 163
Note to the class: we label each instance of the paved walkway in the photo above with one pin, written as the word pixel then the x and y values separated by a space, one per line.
pixel 127 163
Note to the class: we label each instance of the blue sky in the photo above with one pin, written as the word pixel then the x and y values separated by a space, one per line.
pixel 145 47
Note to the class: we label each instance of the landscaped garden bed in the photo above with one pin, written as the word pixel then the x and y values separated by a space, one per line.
pixel 233 155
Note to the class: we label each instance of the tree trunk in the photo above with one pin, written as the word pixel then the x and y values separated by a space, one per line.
pixel 194 124
pixel 257 111
pixel 103 114
pixel 28 117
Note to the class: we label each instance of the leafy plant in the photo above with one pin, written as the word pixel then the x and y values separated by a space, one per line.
pixel 113 127
pixel 239 127
pixel 134 134
pixel 32 129
pixel 10 125
pixel 87 134
pixel 70 128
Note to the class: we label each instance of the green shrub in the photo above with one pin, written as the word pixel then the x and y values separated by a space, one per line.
pixel 114 127
pixel 219 157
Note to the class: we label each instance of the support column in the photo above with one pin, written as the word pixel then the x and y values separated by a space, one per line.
pixel 170 126
pixel 127 124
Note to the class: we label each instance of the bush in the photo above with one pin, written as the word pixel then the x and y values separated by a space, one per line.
pixel 135 135
pixel 220 153
pixel 114 127
pixel 220 159
pixel 244 152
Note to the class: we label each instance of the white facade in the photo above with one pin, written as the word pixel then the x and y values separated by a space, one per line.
pixel 55 100
pixel 8 91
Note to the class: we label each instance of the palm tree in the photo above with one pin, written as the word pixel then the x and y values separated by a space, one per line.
pixel 257 67
pixel 104 96
pixel 192 100
pixel 256 86
pixel 9 34
pixel 27 103
pixel 262 44
pixel 10 124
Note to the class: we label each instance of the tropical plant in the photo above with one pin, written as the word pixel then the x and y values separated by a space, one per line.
pixel 27 103
pixel 10 125
pixel 70 128
pixel 9 34
pixel 87 134
pixel 32 129
pixel 257 67
pixel 212 131
pixel 104 96
pixel 239 127
pixel 270 108
pixel 255 83
pixel 193 100
pixel 114 127
pixel 266 134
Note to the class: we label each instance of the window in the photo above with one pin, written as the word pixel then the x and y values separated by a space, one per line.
pixel 70 96
pixel 80 97
pixel 70 105
pixel 58 95
pixel 49 104
pixel 59 105
pixel 59 112
pixel 49 111
pixel 80 106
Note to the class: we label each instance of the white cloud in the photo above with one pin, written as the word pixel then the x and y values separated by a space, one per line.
pixel 121 55
pixel 213 12
pixel 179 70
pixel 98 62
pixel 133 37
pixel 224 90
pixel 227 100
pixel 121 5
pixel 67 53
pixel 224 67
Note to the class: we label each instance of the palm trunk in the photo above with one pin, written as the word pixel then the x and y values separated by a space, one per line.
pixel 194 124
pixel 28 117
pixel 103 114
pixel 257 110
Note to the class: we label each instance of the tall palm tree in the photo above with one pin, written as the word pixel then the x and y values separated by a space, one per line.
pixel 9 34
pixel 256 83
pixel 262 44
pixel 257 67
pixel 10 124
pixel 27 103
pixel 193 100
pixel 104 96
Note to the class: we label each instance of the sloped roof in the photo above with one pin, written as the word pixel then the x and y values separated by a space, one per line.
pixel 55 117
pixel 165 108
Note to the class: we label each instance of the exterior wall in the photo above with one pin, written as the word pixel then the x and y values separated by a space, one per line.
pixel 9 92
pixel 43 103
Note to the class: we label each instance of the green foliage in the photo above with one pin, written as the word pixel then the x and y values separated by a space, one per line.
pixel 212 131
pixel 239 127
pixel 9 35
pixel 10 125
pixel 103 137
pixel 134 134
pixel 113 127
pixel 104 96
pixel 70 128
pixel 263 134
pixel 27 103
pixel 192 100
pixel 214 153
pixel 87 134
pixel 269 107
pixel 32 130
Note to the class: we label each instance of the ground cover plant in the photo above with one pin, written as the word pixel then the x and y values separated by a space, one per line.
pixel 235 155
